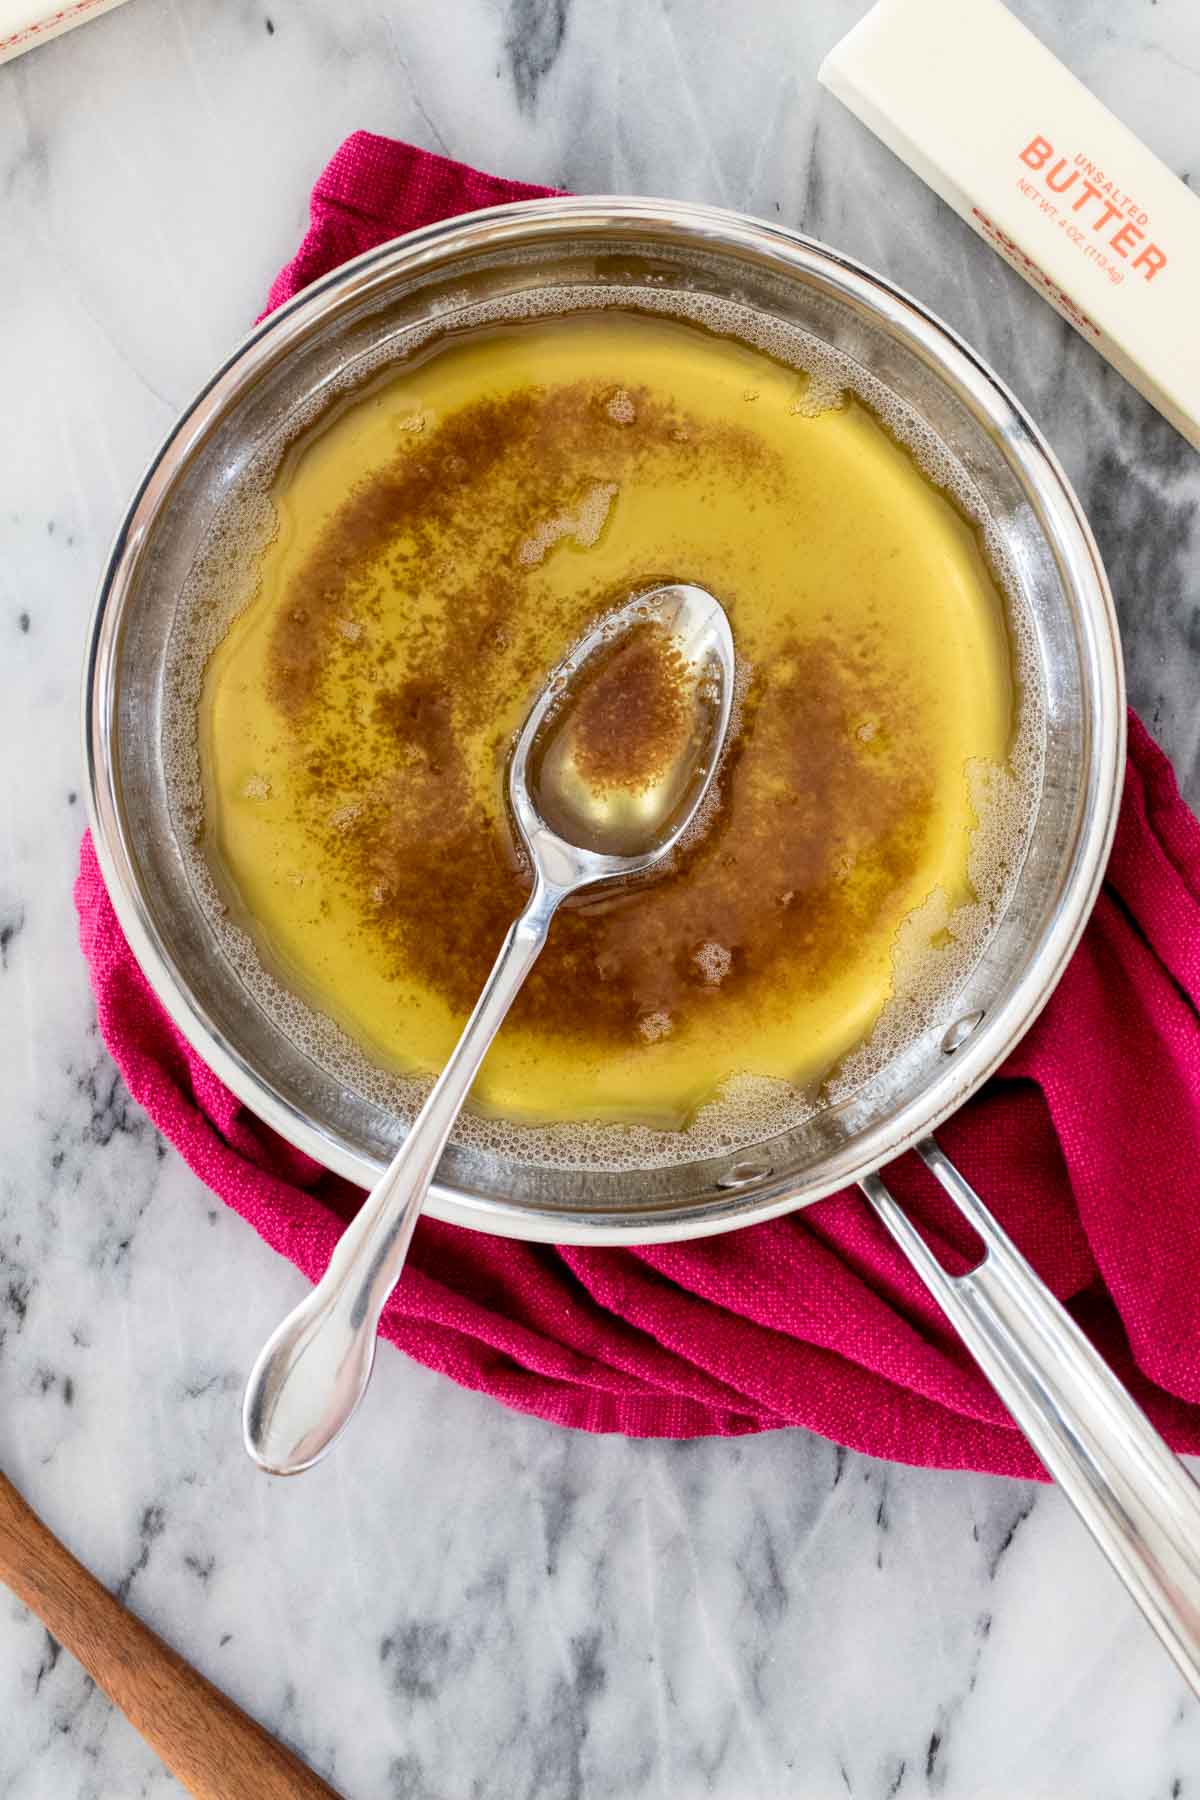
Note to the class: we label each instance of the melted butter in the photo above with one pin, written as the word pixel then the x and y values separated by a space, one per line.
pixel 443 539
pixel 619 761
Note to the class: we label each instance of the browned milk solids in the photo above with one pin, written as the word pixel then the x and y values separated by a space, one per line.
pixel 618 757
pixel 443 539
pixel 630 719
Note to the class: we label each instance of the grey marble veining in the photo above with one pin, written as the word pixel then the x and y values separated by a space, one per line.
pixel 465 1602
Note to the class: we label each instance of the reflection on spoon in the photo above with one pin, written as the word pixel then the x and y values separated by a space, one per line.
pixel 609 771
pixel 621 756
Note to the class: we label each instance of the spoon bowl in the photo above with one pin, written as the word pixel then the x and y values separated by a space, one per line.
pixel 579 824
pixel 608 774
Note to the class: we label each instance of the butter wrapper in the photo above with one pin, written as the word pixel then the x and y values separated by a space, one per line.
pixel 981 110
pixel 26 23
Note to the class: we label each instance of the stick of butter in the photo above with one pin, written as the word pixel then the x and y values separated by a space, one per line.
pixel 995 124
pixel 27 23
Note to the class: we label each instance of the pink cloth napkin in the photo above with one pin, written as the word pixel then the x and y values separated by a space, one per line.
pixel 1087 1146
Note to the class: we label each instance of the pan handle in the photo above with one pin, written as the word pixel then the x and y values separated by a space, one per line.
pixel 1133 1494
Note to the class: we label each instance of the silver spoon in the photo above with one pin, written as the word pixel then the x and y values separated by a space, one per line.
pixel 581 823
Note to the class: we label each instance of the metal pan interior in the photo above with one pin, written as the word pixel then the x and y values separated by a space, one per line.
pixel 345 324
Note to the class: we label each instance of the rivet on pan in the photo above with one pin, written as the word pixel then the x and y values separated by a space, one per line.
pixel 961 1030
pixel 743 1174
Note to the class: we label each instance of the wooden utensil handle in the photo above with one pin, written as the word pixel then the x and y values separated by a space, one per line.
pixel 213 1748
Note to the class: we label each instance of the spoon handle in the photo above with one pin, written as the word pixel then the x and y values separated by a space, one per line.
pixel 213 1748
pixel 314 1369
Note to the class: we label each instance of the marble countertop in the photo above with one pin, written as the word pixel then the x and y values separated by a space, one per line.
pixel 463 1601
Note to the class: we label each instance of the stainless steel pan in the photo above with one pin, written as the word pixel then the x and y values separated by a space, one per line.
pixel 1133 1494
